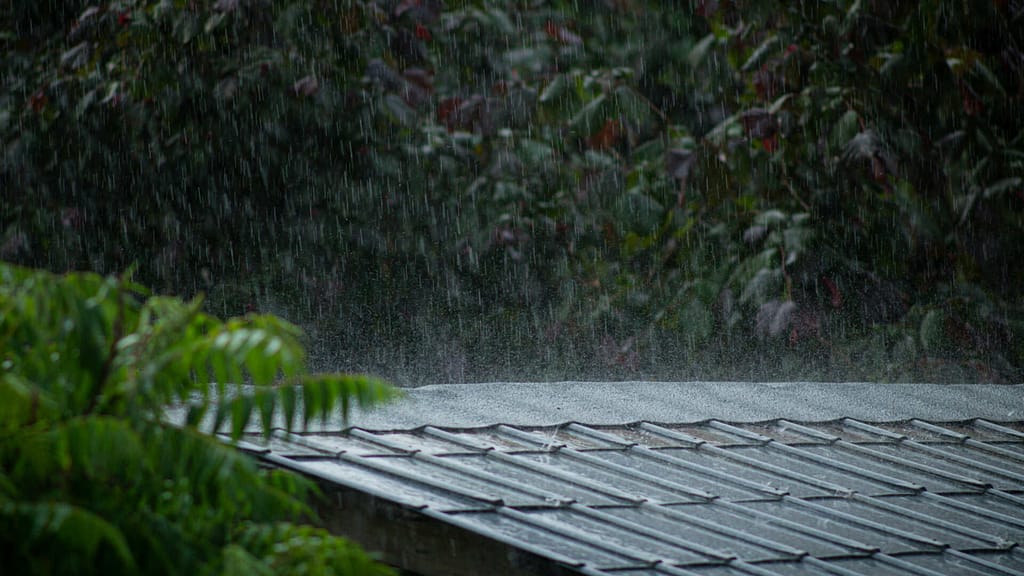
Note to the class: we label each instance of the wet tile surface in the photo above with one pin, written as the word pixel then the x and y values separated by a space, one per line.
pixel 776 497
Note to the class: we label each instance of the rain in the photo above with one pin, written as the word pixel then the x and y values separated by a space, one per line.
pixel 497 191
pixel 495 286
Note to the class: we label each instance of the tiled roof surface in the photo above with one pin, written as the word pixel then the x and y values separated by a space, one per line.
pixel 644 499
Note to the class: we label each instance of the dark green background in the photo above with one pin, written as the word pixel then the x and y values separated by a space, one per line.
pixel 515 190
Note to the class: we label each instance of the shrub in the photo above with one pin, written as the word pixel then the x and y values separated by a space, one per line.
pixel 93 477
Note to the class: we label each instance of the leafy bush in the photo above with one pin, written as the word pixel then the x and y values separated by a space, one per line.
pixel 613 184
pixel 93 479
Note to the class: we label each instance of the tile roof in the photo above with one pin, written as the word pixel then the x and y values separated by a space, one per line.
pixel 646 498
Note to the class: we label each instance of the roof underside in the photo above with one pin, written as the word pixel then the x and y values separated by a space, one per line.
pixel 650 498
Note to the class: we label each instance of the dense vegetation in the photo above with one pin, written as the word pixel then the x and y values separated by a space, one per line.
pixel 729 189
pixel 93 480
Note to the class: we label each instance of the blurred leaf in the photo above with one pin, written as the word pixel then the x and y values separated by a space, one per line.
pixel 554 90
pixel 81 532
pixel 760 54
pixel 1003 186
pixel 76 57
pixel 990 79
pixel 771 218
pixel 588 117
pixel 700 50
pixel 679 163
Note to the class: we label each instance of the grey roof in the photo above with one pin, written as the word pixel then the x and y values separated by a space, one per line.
pixel 773 479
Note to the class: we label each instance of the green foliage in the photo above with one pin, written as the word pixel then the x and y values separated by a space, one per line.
pixel 640 180
pixel 94 479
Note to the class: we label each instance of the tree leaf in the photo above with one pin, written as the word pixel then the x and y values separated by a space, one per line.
pixel 79 532
pixel 554 90
pixel 587 118
pixel 760 54
pixel 1003 186
pixel 401 112
pixel 700 51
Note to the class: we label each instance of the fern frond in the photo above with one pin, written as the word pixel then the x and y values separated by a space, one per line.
pixel 93 448
pixel 76 535
pixel 215 475
pixel 22 404
pixel 322 397
pixel 323 393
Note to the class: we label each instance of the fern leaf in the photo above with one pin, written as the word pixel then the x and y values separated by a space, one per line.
pixel 321 393
pixel 58 526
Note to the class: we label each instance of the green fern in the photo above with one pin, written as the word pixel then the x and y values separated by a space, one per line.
pixel 93 476
pixel 80 535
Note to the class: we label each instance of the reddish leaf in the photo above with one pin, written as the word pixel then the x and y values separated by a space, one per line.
pixel 835 296
pixel 447 107
pixel 38 100
pixel 607 136
pixel 561 35
pixel 422 32
pixel 878 170
pixel 450 111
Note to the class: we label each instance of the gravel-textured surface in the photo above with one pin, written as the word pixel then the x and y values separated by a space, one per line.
pixel 534 404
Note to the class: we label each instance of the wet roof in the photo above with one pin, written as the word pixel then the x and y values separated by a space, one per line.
pixel 532 404
pixel 653 496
